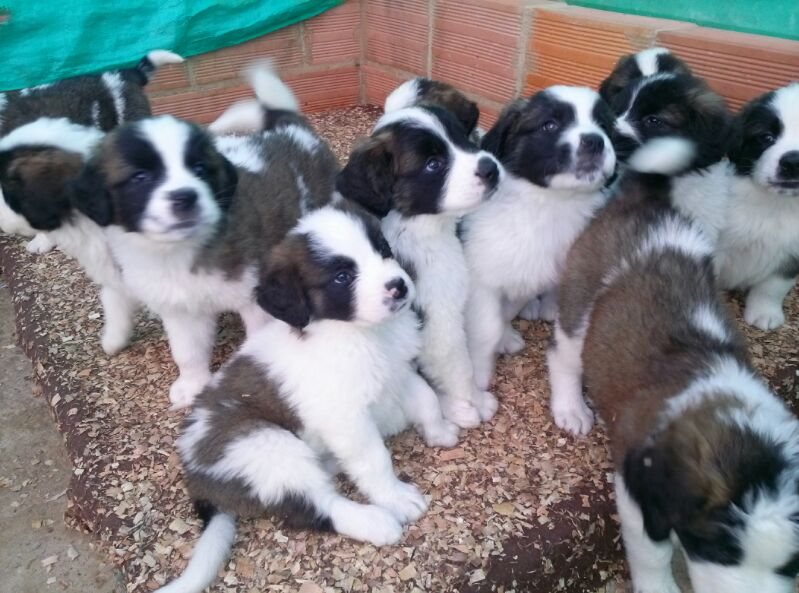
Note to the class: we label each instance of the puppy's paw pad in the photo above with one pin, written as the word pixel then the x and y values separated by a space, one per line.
pixel 576 419
pixel 185 389
pixel 512 342
pixel 460 411
pixel 441 434
pixel 39 244
pixel 405 502
pixel 766 317
pixel 486 404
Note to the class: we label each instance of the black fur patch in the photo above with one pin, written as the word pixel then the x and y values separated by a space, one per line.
pixel 205 511
pixel 759 127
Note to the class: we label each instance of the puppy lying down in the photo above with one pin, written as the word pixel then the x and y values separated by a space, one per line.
pixel 329 380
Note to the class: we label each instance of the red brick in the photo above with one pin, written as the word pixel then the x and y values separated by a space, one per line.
pixel 201 106
pixel 737 65
pixel 574 45
pixel 334 36
pixel 488 116
pixel 397 33
pixel 170 77
pixel 378 83
pixel 283 46
pixel 328 89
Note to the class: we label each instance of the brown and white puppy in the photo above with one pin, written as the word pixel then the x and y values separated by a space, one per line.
pixel 35 126
pixel 704 452
pixel 633 67
pixel 331 379
pixel 420 173
pixel 190 218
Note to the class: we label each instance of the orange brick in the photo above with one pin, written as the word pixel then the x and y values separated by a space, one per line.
pixel 475 46
pixel 170 77
pixel 378 83
pixel 334 36
pixel 737 65
pixel 488 116
pixel 200 106
pixel 318 91
pixel 573 45
pixel 283 46
pixel 397 33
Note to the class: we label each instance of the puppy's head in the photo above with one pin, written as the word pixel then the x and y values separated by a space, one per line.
pixel 729 489
pixel 557 138
pixel 335 265
pixel 768 150
pixel 161 177
pixel 424 91
pixel 672 124
pixel 38 161
pixel 633 67
pixel 419 161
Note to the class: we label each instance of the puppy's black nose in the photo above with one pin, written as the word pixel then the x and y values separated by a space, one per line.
pixel 591 143
pixel 183 200
pixel 397 288
pixel 488 171
pixel 789 165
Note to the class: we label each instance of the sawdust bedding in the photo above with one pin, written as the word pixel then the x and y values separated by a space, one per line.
pixel 517 506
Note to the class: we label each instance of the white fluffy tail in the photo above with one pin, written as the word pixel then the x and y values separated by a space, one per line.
pixel 405 95
pixel 154 59
pixel 270 91
pixel 209 554
pixel 665 155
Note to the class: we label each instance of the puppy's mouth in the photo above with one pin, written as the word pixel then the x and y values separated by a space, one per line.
pixel 395 305
pixel 184 225
pixel 790 187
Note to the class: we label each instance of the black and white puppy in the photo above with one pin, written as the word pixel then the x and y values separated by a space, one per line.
pixel 758 247
pixel 673 136
pixel 331 382
pixel 101 102
pixel 419 172
pixel 190 230
pixel 705 454
pixel 633 67
pixel 556 150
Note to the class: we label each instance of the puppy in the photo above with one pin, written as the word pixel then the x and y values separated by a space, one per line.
pixel 190 230
pixel 97 101
pixel 38 163
pixel 558 156
pixel 633 67
pixel 758 249
pixel 705 454
pixel 333 380
pixel 673 136
pixel 420 174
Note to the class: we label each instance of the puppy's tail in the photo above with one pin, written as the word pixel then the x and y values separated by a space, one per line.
pixel 272 94
pixel 150 63
pixel 210 552
pixel 405 95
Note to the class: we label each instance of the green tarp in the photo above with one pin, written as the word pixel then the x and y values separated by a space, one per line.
pixel 45 40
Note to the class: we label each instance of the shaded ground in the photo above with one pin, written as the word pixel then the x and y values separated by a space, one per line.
pixel 38 552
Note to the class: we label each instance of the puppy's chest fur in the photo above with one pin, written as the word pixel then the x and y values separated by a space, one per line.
pixel 760 237
pixel 518 241
pixel 429 248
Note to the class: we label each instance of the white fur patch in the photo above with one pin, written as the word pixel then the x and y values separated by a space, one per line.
pixel 665 155
pixel 162 57
pixel 706 320
pixel 270 90
pixel 405 95
pixel 3 102
pixel 647 60
pixel 116 86
pixel 300 135
pixel 676 234
pixel 59 133
pixel 243 151
pixel 243 117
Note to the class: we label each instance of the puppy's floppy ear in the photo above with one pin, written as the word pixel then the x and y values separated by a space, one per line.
pixel 90 194
pixel 226 182
pixel 647 479
pixel 281 292
pixel 496 140
pixel 714 126
pixel 367 178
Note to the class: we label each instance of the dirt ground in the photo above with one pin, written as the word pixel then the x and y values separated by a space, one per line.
pixel 38 552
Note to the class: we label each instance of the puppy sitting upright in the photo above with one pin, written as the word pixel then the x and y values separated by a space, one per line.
pixel 758 247
pixel 556 151
pixel 419 172
pixel 333 380
pixel 189 230
pixel 704 453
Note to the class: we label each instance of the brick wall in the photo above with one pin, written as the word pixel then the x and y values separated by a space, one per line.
pixel 493 50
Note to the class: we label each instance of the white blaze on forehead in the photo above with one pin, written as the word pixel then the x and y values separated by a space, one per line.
pixel 581 98
pixel 336 232
pixel 56 132
pixel 647 60
pixel 786 104
pixel 115 85
pixel 414 116
pixel 169 137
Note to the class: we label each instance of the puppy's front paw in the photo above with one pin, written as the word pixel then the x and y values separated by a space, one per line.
pixel 367 523
pixel 460 411
pixel 765 316
pixel 114 340
pixel 573 416
pixel 486 404
pixel 186 388
pixel 404 501
pixel 441 434
pixel 41 243
pixel 532 310
pixel 512 342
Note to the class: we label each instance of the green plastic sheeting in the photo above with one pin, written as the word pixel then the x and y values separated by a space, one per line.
pixel 45 40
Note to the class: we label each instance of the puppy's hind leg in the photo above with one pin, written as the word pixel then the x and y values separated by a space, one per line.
pixel 564 360
pixel 422 407
pixel 191 340
pixel 119 308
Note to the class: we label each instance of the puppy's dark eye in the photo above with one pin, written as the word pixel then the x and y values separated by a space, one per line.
pixel 550 126
pixel 653 123
pixel 343 278
pixel 199 169
pixel 767 138
pixel 139 177
pixel 433 165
